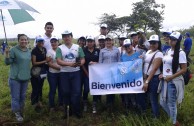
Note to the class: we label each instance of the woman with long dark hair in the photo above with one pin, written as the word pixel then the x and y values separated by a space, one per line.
pixel 172 86
pixel 152 63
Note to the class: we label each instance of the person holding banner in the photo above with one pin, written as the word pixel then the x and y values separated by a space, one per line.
pixel 131 99
pixel 70 57
pixel 109 54
pixel 91 57
pixel 152 63
pixel 172 83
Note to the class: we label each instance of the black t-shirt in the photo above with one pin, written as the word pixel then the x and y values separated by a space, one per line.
pixel 91 56
pixel 40 55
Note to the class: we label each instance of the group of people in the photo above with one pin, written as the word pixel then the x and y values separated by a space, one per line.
pixel 67 69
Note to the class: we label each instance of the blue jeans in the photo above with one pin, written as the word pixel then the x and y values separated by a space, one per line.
pixel 18 93
pixel 54 80
pixel 170 105
pixel 37 84
pixel 70 87
pixel 153 95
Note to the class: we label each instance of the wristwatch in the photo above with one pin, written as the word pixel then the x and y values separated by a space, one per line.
pixel 146 82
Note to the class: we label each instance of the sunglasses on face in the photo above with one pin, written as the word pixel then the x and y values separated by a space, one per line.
pixel 127 46
pixel 153 43
pixel 173 39
pixel 53 42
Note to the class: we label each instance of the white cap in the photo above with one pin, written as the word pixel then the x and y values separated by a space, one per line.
pixel 103 25
pixel 54 38
pixel 90 37
pixel 176 35
pixel 101 37
pixel 109 36
pixel 127 42
pixel 66 32
pixel 167 31
pixel 39 39
pixel 154 38
pixel 123 36
pixel 133 33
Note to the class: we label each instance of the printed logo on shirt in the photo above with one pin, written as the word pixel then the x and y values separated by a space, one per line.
pixel 168 70
pixel 69 56
pixel 96 53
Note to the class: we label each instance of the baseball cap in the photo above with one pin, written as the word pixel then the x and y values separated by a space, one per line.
pixel 103 25
pixel 176 35
pixel 122 36
pixel 187 34
pixel 54 38
pixel 109 36
pixel 101 37
pixel 133 33
pixel 66 32
pixel 127 42
pixel 167 32
pixel 90 37
pixel 39 39
pixel 154 38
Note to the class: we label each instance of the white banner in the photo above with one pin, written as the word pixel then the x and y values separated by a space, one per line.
pixel 116 78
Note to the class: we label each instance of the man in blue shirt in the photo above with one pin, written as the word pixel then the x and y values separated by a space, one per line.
pixel 187 44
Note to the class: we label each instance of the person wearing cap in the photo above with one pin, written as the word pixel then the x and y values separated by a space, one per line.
pixel 187 44
pixel 101 41
pixel 152 63
pixel 38 60
pixel 135 39
pixel 81 42
pixel 166 39
pixel 122 37
pixel 19 59
pixel 70 57
pixel 49 27
pixel 3 46
pixel 130 99
pixel 172 86
pixel 143 44
pixel 53 75
pixel 109 54
pixel 103 31
pixel 91 57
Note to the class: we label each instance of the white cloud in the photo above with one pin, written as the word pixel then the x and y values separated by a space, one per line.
pixel 81 15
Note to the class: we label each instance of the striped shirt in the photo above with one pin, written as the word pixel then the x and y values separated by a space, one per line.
pixel 109 55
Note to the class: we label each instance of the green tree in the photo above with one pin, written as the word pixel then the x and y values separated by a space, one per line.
pixel 147 15
pixel 115 25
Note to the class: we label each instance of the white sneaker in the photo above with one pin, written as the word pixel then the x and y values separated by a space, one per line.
pixel 94 109
pixel 18 116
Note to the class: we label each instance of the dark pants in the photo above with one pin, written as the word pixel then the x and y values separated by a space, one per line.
pixel 54 80
pixel 37 84
pixel 71 89
pixel 85 88
pixel 152 92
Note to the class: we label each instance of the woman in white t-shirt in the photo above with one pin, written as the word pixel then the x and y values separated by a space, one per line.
pixel 172 88
pixel 53 74
pixel 152 63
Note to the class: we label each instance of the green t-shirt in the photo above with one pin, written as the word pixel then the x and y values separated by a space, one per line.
pixel 19 62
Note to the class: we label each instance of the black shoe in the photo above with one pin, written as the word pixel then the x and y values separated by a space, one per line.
pixel 78 115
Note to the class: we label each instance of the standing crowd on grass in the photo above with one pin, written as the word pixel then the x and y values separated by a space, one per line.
pixel 66 67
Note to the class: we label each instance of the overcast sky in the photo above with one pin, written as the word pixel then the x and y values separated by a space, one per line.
pixel 80 16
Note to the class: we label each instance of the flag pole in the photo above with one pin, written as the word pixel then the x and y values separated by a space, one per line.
pixel 3 26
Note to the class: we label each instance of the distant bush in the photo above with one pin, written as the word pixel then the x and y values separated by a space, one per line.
pixel 12 44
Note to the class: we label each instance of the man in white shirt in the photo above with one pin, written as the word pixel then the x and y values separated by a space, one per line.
pixel 103 31
pixel 47 36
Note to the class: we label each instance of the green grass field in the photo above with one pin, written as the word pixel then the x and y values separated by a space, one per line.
pixel 102 118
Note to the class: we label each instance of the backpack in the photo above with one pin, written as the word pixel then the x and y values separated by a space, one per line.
pixel 187 76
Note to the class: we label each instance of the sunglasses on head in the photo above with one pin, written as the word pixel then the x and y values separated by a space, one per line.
pixel 127 46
